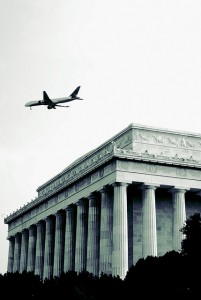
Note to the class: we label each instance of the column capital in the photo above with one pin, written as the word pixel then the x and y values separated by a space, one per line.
pixel 32 228
pixel 105 189
pixel 81 202
pixel 25 231
pixel 70 207
pixel 17 234
pixel 39 223
pixel 59 213
pixel 48 218
pixel 120 184
pixel 92 196
pixel 177 189
pixel 11 238
pixel 149 186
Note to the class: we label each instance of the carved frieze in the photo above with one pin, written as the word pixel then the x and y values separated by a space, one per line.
pixel 71 190
pixel 182 157
pixel 151 168
pixel 124 140
pixel 181 172
pixel 61 197
pixel 163 170
pixel 135 143
pixel 166 139
pixel 160 144
pixel 74 172
pixel 146 168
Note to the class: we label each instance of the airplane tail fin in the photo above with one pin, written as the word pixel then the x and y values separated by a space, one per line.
pixel 45 96
pixel 74 94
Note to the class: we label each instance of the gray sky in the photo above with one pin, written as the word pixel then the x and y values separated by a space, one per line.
pixel 136 62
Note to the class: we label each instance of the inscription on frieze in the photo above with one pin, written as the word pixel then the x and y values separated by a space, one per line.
pixel 77 170
pixel 33 213
pixel 166 139
pixel 80 184
pixel 170 171
pixel 181 172
pixel 41 207
pixel 101 173
pixel 156 139
pixel 107 169
pixel 152 168
pixel 18 222
pixel 51 202
pixel 61 197
pixel 124 140
pixel 71 190
pixel 95 176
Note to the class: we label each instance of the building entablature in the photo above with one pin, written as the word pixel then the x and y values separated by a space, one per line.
pixel 134 173
pixel 136 143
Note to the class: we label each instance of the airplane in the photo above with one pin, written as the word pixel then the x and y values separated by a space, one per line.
pixel 53 103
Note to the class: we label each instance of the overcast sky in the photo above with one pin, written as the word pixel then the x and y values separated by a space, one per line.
pixel 136 62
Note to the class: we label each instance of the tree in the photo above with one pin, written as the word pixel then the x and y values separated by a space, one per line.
pixel 191 252
pixel 191 244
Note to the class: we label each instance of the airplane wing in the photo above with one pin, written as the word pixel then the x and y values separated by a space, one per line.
pixel 46 99
pixel 74 94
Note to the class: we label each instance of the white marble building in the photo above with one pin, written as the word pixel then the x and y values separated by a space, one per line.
pixel 124 200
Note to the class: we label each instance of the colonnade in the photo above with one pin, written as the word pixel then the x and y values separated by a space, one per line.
pixel 91 234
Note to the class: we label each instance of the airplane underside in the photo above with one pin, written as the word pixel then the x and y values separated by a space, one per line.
pixel 54 106
pixel 51 106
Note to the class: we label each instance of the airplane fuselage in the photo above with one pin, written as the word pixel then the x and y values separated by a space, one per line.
pixel 53 103
pixel 62 100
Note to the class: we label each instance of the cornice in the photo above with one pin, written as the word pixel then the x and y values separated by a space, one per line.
pixel 136 142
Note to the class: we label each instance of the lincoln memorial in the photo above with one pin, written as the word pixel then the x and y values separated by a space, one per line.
pixel 122 201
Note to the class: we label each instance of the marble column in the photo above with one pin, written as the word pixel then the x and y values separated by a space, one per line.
pixel 49 248
pixel 24 250
pixel 40 245
pixel 120 231
pixel 93 239
pixel 17 250
pixel 31 249
pixel 81 235
pixel 149 234
pixel 11 254
pixel 106 224
pixel 59 243
pixel 69 249
pixel 179 216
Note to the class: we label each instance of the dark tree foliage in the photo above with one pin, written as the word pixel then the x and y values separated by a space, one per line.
pixel 23 286
pixel 191 244
pixel 70 285
pixel 191 250
pixel 173 275
pixel 110 287
pixel 158 277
